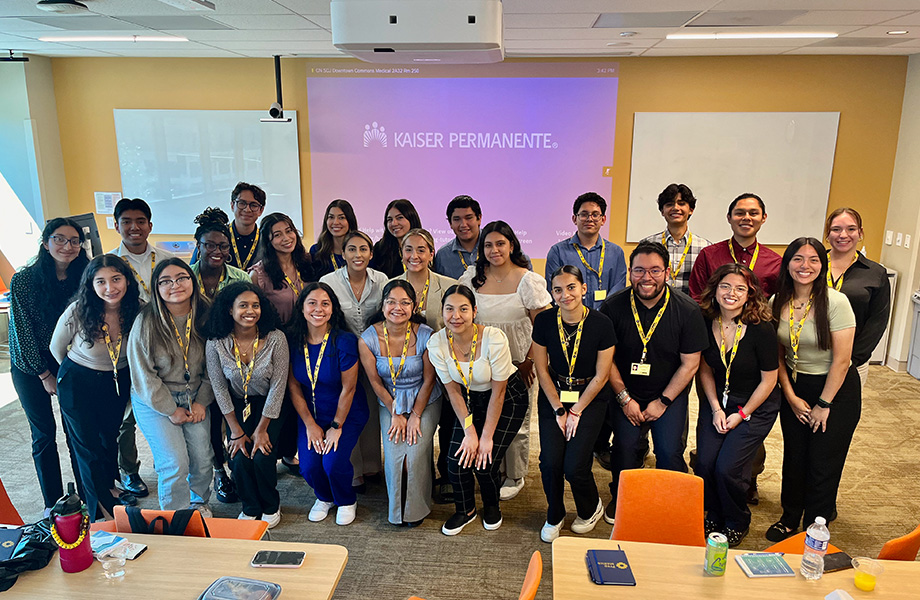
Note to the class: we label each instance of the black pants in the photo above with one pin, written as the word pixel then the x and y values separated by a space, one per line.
pixel 36 403
pixel 217 436
pixel 93 413
pixel 445 432
pixel 509 422
pixel 724 461
pixel 813 462
pixel 256 477
pixel 666 432
pixel 287 432
pixel 571 460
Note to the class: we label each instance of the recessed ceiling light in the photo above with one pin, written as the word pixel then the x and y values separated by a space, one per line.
pixel 112 38
pixel 749 36
pixel 898 32
pixel 619 44
pixel 627 33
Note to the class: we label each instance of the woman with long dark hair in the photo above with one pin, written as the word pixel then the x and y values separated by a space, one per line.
pixel 323 383
pixel 94 384
pixel 739 399
pixel 398 218
pixel 815 327
pixel 327 251
pixel 509 297
pixel 39 293
pixel 247 357
pixel 410 403
pixel 170 388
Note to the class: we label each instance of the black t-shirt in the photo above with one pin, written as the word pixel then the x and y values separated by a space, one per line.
pixel 681 331
pixel 865 284
pixel 757 351
pixel 244 244
pixel 596 335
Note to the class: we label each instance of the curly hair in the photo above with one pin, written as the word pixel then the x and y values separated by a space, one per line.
pixel 212 219
pixel 503 229
pixel 755 309
pixel 220 320
pixel 298 329
pixel 90 308
pixel 269 256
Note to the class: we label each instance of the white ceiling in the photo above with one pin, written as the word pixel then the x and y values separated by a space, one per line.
pixel 261 28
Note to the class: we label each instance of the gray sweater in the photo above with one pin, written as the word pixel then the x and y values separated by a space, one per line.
pixel 157 371
pixel 269 374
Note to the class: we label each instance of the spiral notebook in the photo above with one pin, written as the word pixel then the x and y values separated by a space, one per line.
pixel 609 567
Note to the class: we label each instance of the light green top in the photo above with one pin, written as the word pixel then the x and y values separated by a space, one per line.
pixel 813 360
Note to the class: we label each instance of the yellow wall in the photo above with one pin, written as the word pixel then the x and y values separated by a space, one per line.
pixel 867 91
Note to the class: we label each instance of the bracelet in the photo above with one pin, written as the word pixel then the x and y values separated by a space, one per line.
pixel 577 415
pixel 233 439
pixel 744 417
pixel 416 414
pixel 623 394
pixel 44 378
pixel 628 400
pixel 823 403
pixel 717 410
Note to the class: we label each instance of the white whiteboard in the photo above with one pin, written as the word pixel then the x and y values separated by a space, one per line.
pixel 786 158
pixel 182 161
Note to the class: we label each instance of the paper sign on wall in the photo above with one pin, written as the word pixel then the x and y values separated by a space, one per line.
pixel 106 201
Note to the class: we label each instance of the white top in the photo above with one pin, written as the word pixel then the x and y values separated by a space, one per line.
pixel 141 264
pixel 508 312
pixel 68 340
pixel 494 363
pixel 357 310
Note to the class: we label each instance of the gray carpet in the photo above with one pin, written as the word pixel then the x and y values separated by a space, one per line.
pixel 879 499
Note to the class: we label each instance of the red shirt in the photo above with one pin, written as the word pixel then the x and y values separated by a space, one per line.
pixel 712 257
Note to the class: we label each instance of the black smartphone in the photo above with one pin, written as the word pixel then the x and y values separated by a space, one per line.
pixel 837 561
pixel 278 559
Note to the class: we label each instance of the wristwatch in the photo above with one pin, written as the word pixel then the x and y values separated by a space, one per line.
pixel 334 425
pixel 560 412
pixel 665 400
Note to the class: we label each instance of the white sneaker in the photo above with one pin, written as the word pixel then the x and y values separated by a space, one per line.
pixel 511 488
pixel 272 519
pixel 320 510
pixel 551 532
pixel 580 525
pixel 244 517
pixel 346 514
pixel 204 509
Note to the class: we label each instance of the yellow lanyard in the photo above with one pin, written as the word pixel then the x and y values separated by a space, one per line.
pixel 220 282
pixel 252 250
pixel 645 337
pixel 450 339
pixel 731 248
pixel 795 330
pixel 673 273
pixel 394 374
pixel 249 367
pixel 565 342
pixel 114 353
pixel 731 357
pixel 839 283
pixel 424 301
pixel 313 375
pixel 600 265
pixel 335 264
pixel 291 283
pixel 466 266
pixel 140 280
pixel 184 345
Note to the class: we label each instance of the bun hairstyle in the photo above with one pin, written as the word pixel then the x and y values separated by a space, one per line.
pixel 212 219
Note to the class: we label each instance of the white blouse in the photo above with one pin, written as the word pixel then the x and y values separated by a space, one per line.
pixel 508 312
pixel 494 362
pixel 357 310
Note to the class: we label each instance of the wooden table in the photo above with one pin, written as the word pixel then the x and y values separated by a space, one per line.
pixel 182 567
pixel 665 571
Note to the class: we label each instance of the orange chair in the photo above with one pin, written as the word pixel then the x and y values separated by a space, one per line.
pixel 8 513
pixel 234 529
pixel 664 507
pixel 902 548
pixel 531 578
pixel 796 545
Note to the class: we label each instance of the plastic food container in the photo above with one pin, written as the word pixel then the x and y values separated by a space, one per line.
pixel 240 588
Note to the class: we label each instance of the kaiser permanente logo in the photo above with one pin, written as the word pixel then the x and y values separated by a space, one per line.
pixel 376 135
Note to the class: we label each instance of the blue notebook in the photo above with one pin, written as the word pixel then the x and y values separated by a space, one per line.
pixel 609 567
pixel 9 539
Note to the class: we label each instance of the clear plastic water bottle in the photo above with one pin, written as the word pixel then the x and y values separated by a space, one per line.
pixel 816 540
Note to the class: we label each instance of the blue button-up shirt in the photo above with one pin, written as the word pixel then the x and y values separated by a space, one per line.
pixel 448 262
pixel 613 277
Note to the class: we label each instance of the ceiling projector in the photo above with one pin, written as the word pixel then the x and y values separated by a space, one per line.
pixel 419 31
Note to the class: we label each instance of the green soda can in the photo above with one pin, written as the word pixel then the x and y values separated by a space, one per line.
pixel 716 554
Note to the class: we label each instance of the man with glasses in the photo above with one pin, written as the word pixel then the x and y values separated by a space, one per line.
pixel 247 201
pixel 132 222
pixel 602 263
pixel 660 335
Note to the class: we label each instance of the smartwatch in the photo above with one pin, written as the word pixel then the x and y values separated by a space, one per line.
pixel 665 400
pixel 334 425
pixel 560 412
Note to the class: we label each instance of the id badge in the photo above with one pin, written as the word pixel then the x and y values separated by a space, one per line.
pixel 643 369
pixel 247 410
pixel 600 295
pixel 568 397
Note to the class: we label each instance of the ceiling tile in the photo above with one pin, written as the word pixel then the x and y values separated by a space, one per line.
pixel 654 33
pixel 306 7
pixel 745 18
pixel 236 35
pixel 324 21
pixel 911 20
pixel 190 22
pixel 76 52
pixel 81 23
pixel 845 17
pixel 818 4
pixel 656 51
pixel 14 25
pixel 881 31
pixel 598 45
pixel 644 19
pixel 255 21
pixel 854 51
pixel 282 47
pixel 604 6
pixel 856 42
pixel 535 21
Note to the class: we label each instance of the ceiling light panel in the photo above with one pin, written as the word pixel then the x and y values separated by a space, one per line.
pixel 536 21
pixel 846 17
pixel 643 19
pixel 265 22
pixel 82 23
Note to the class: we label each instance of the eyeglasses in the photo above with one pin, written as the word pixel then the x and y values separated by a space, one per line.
pixel 168 283
pixel 393 303
pixel 60 240
pixel 252 206
pixel 640 272
pixel 588 216
pixel 727 287
pixel 211 246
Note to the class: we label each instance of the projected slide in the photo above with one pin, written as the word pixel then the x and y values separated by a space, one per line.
pixel 523 139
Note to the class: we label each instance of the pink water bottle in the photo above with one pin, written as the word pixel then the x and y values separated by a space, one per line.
pixel 71 532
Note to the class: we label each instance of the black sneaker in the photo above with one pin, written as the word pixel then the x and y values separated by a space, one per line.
pixel 491 517
pixel 456 523
pixel 127 499
pixel 735 537
pixel 224 488
pixel 603 459
pixel 134 484
pixel 611 511
pixel 710 526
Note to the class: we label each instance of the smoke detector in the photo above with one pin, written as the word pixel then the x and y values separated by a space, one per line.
pixel 62 7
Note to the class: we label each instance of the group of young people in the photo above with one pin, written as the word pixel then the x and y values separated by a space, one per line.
pixel 346 361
